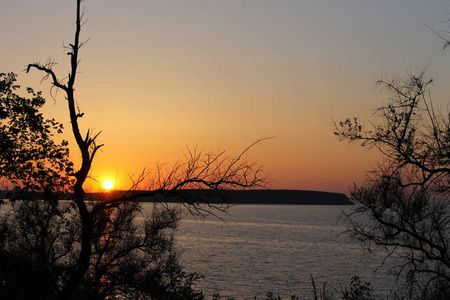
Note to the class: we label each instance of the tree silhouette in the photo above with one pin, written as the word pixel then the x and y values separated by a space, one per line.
pixel 29 157
pixel 93 248
pixel 404 204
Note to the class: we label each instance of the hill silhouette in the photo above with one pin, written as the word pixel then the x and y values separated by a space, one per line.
pixel 287 197
pixel 260 197
pixel 245 197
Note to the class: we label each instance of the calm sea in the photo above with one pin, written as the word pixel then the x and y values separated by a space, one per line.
pixel 260 248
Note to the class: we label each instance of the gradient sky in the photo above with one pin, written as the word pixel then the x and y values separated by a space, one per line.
pixel 158 76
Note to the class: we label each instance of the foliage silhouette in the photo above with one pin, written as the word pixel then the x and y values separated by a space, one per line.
pixel 404 204
pixel 358 290
pixel 29 157
pixel 95 248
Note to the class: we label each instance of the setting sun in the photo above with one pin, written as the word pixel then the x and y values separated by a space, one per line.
pixel 108 184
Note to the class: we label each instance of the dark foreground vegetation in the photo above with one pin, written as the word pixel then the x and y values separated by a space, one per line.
pixel 91 247
pixel 356 290
pixel 403 207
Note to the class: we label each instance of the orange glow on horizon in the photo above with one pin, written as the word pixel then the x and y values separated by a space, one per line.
pixel 108 184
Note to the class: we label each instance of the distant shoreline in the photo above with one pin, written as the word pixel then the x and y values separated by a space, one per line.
pixel 297 197
pixel 281 197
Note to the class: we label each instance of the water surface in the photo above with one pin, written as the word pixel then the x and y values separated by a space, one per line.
pixel 257 248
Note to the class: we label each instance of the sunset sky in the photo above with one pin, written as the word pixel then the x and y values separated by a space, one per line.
pixel 159 76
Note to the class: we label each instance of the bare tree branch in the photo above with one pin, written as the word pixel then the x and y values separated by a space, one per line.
pixel 404 204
